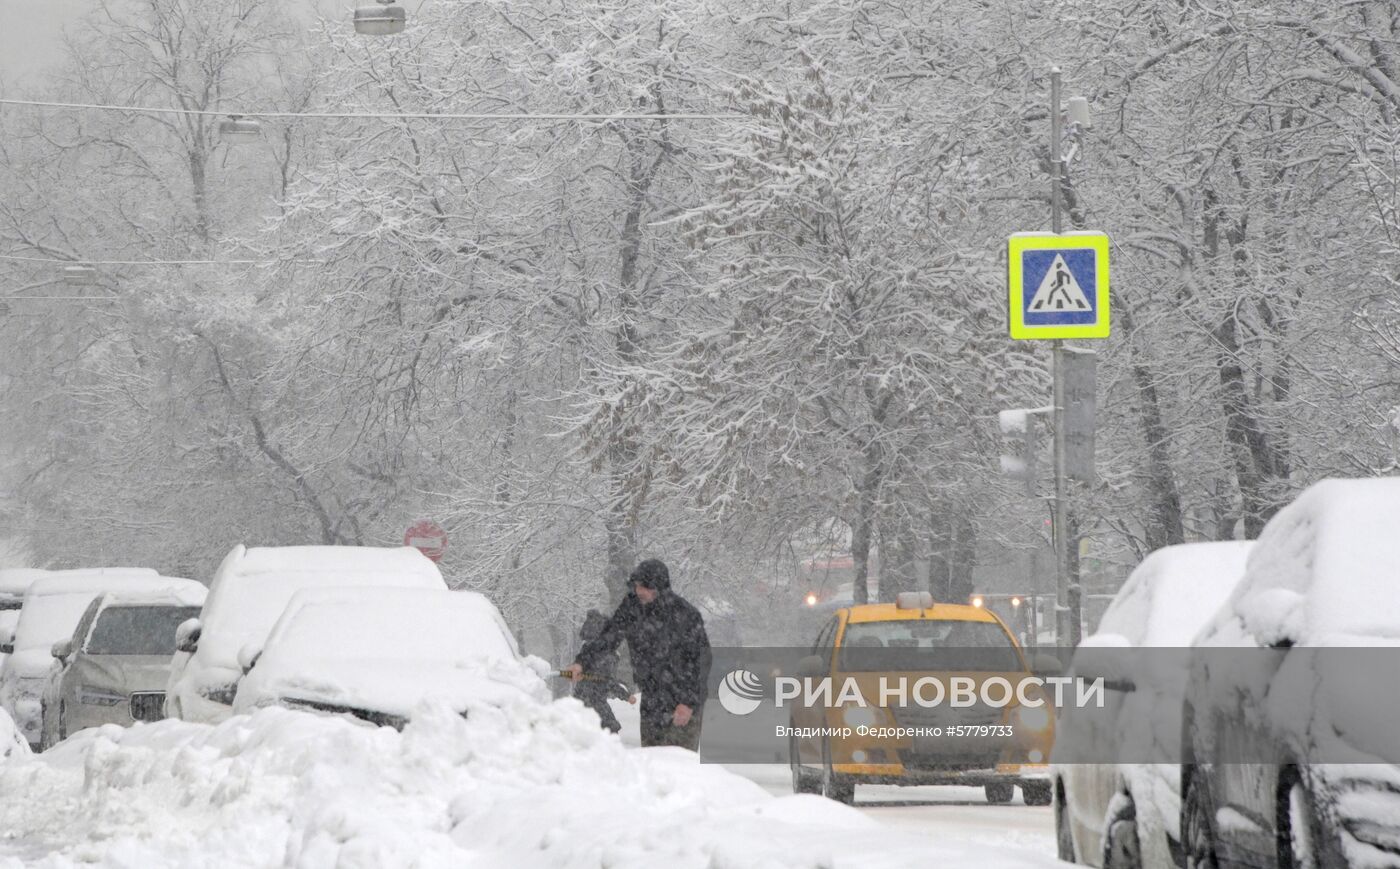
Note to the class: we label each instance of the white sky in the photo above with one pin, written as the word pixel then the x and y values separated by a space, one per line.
pixel 31 30
pixel 30 33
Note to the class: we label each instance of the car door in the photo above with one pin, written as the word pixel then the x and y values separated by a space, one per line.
pixel 1244 792
pixel 808 747
pixel 51 704
pixel 1091 787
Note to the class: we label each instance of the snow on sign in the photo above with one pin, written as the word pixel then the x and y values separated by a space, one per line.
pixel 427 537
pixel 1058 284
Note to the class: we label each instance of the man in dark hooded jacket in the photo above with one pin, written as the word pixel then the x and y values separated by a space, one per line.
pixel 670 655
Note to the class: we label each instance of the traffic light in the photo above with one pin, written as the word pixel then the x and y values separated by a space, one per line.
pixel 1018 456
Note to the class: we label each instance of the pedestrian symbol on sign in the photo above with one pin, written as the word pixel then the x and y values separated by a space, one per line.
pixel 1059 285
pixel 1059 290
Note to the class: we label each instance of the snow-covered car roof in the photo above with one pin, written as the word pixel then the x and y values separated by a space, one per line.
pixel 17 580
pixel 1173 592
pixel 46 619
pixel 167 591
pixel 290 561
pixel 95 582
pixel 54 604
pixel 1321 571
pixel 252 586
pixel 388 649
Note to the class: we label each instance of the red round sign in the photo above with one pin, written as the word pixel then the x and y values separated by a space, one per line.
pixel 427 537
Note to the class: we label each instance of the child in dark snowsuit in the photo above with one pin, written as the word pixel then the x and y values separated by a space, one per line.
pixel 601 682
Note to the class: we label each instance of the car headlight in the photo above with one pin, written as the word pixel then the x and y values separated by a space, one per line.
pixel 1034 718
pixel 91 696
pixel 860 716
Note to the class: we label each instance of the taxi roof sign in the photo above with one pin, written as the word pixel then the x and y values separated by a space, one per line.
pixel 1058 285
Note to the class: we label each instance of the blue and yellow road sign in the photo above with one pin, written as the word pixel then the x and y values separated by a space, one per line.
pixel 1058 284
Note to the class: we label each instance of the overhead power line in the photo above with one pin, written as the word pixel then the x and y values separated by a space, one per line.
pixel 5 299
pixel 441 116
pixel 156 262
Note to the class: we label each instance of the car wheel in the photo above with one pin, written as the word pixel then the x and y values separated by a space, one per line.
pixel 1121 849
pixel 803 782
pixel 1036 793
pixel 999 792
pixel 1197 836
pixel 1064 837
pixel 833 786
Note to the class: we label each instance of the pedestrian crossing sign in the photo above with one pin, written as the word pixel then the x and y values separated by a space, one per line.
pixel 1059 285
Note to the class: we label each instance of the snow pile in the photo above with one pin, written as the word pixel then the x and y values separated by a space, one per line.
pixel 529 785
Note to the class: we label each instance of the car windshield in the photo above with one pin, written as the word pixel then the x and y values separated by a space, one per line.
pixel 138 630
pixel 928 644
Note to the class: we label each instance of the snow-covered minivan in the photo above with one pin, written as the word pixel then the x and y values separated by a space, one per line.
pixel 249 591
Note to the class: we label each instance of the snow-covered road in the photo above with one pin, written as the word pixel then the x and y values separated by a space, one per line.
pixel 937 812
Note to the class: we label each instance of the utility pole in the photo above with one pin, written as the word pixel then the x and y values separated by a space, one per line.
pixel 1058 289
pixel 1066 621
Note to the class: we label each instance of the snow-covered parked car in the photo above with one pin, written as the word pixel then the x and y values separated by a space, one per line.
pixel 247 595
pixel 14 582
pixel 1289 731
pixel 1125 814
pixel 51 610
pixel 117 662
pixel 378 653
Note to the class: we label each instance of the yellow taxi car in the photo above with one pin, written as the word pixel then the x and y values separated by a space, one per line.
pixel 976 713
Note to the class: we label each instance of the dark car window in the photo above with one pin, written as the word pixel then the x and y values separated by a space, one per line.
pixel 928 644
pixel 11 603
pixel 138 630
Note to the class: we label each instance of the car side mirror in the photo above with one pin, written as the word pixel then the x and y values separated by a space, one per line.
pixel 1275 617
pixel 1108 663
pixel 187 636
pixel 248 656
pixel 811 667
pixel 1043 663
pixel 62 650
